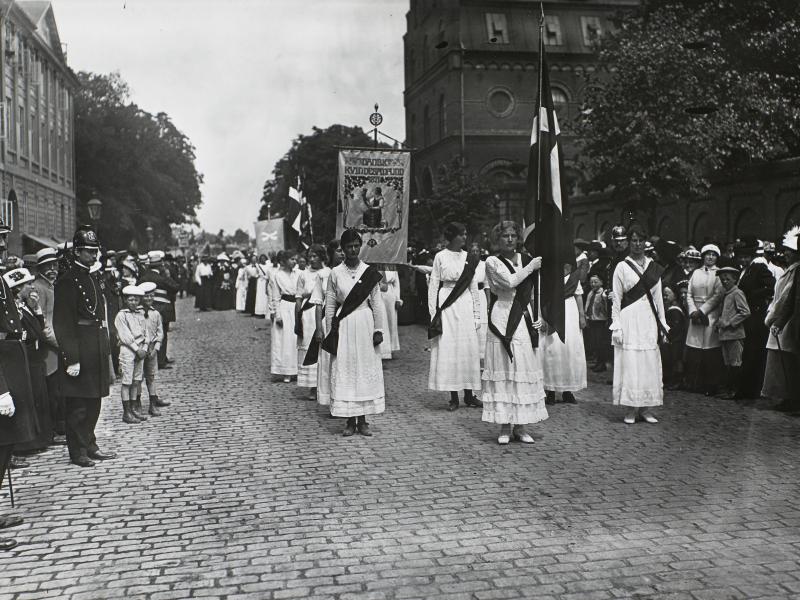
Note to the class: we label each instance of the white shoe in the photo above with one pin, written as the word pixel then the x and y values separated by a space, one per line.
pixel 504 439
pixel 630 419
pixel 649 418
pixel 525 438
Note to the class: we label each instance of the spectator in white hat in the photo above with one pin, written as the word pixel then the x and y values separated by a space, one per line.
pixel 130 325
pixel 782 376
pixel 154 337
pixel 704 367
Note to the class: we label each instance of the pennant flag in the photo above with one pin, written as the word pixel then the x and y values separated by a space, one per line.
pixel 546 231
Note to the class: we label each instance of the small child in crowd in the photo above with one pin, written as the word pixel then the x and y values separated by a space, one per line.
pixel 672 352
pixel 597 334
pixel 130 326
pixel 154 337
pixel 730 326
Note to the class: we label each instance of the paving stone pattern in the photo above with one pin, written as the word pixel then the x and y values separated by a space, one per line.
pixel 243 489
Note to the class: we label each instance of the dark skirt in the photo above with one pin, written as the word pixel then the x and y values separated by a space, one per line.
pixel 41 402
pixel 250 299
pixel 703 369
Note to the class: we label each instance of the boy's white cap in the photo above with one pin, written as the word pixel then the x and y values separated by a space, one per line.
pixel 132 290
pixel 147 287
pixel 710 248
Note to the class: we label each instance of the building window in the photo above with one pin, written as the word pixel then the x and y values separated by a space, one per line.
pixel 552 31
pixel 496 28
pixel 7 211
pixel 590 27
pixel 500 102
pixel 62 230
pixel 560 103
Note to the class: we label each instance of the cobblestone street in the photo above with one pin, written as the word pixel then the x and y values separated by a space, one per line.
pixel 245 489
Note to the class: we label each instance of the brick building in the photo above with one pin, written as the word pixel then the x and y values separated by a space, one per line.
pixel 37 137
pixel 471 71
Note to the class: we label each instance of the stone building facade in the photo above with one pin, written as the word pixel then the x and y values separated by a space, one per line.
pixel 37 164
pixel 471 69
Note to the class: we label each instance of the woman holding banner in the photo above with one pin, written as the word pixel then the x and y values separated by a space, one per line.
pixel 355 318
pixel 454 306
pixel 513 391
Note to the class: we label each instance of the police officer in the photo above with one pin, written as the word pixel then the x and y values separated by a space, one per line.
pixel 80 324
pixel 17 416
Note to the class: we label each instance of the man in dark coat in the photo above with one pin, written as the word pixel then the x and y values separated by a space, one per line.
pixel 80 324
pixel 17 410
pixel 758 285
pixel 166 288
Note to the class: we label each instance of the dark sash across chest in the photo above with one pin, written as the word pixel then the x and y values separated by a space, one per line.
pixel 461 286
pixel 647 279
pixel 358 293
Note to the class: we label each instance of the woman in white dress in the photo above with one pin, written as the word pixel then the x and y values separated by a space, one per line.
pixel 241 285
pixel 390 294
pixel 564 362
pixel 513 391
pixel 283 287
pixel 305 317
pixel 335 257
pixel 637 321
pixel 356 368
pixel 455 359
pixel 262 286
pixel 476 253
pixel 703 349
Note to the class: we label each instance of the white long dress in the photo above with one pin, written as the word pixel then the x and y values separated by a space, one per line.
pixel 262 295
pixel 241 289
pixel 324 359
pixel 306 375
pixel 356 370
pixel 513 390
pixel 391 341
pixel 284 340
pixel 637 362
pixel 455 359
pixel 706 295
pixel 480 279
pixel 564 363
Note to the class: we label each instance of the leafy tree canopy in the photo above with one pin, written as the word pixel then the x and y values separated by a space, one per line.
pixel 688 88
pixel 139 164
pixel 313 158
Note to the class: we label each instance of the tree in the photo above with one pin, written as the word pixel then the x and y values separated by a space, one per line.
pixel 459 195
pixel 139 164
pixel 687 89
pixel 314 158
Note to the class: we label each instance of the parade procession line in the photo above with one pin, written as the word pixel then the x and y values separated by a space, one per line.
pixel 244 489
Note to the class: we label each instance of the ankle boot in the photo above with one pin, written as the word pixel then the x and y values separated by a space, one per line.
pixel 127 414
pixel 154 412
pixel 350 428
pixel 363 426
pixel 158 401
pixel 550 397
pixel 136 409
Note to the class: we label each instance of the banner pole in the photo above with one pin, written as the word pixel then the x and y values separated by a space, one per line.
pixel 537 206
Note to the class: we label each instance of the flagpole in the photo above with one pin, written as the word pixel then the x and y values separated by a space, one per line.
pixel 537 206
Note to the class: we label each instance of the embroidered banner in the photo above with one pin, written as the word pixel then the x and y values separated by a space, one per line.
pixel 373 200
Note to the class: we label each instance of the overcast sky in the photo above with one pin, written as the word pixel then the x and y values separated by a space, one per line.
pixel 242 78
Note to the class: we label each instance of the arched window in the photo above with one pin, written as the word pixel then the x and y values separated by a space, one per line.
pixel 442 117
pixel 701 232
pixel 427 181
pixel 560 103
pixel 9 210
pixel 748 222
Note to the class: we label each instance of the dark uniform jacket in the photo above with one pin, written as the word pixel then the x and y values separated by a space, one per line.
pixel 166 287
pixel 79 321
pixel 14 378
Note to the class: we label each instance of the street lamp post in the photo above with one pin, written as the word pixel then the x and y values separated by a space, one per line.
pixel 95 207
pixel 149 231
